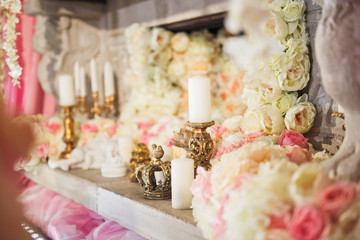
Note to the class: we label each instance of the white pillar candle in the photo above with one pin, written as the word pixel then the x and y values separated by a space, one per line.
pixel 82 82
pixel 77 78
pixel 199 99
pixel 159 176
pixel 66 90
pixel 94 82
pixel 182 175
pixel 109 80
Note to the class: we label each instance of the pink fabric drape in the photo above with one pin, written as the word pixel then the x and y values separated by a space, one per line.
pixel 30 98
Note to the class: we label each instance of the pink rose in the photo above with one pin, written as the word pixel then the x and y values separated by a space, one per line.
pixel 280 222
pixel 145 125
pixel 335 198
pixel 252 136
pixel 42 150
pixel 201 186
pixel 90 128
pixel 290 138
pixel 54 128
pixel 307 223
pixel 299 155
pixel 218 131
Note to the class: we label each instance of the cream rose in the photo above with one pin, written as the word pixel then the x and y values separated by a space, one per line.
pixel 270 91
pixel 306 183
pixel 285 102
pixel 300 117
pixel 251 122
pixel 272 121
pixel 297 76
pixel 160 38
pixel 293 10
pixel 277 27
pixel 180 42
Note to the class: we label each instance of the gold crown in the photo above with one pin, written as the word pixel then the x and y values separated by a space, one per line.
pixel 146 176
pixel 140 154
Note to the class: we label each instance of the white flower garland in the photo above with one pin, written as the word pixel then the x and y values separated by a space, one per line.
pixel 12 8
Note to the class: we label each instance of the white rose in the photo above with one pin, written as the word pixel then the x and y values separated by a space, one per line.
pixel 180 42
pixel 272 121
pixel 270 91
pixel 200 45
pixel 233 123
pixel 293 10
pixel 300 117
pixel 306 182
pixel 251 98
pixel 160 38
pixel 251 122
pixel 160 58
pixel 297 76
pixel 176 69
pixel 199 66
pixel 285 102
pixel 277 27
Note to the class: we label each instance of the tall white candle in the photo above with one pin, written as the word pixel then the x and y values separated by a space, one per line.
pixel 82 82
pixel 199 99
pixel 77 78
pixel 109 80
pixel 66 90
pixel 94 82
pixel 182 175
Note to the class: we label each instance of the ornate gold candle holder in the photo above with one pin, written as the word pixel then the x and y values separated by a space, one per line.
pixel 69 133
pixel 109 105
pixel 140 154
pixel 96 109
pixel 81 104
pixel 197 142
pixel 145 174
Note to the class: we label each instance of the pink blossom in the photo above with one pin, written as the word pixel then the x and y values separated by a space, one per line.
pixel 335 198
pixel 218 131
pixel 307 223
pixel 90 128
pixel 145 125
pixel 44 124
pixel 219 225
pixel 54 128
pixel 228 148
pixel 280 222
pixel 201 186
pixel 42 150
pixel 299 155
pixel 112 130
pixel 252 136
pixel 290 138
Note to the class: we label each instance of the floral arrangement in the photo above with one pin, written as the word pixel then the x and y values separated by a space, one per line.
pixel 161 63
pixel 274 192
pixel 272 78
pixel 11 9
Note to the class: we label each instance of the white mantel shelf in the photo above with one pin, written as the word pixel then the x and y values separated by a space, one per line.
pixel 119 200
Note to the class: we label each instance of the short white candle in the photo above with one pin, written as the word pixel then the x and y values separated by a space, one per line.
pixel 199 99
pixel 182 175
pixel 94 82
pixel 77 78
pixel 82 82
pixel 159 176
pixel 66 90
pixel 109 80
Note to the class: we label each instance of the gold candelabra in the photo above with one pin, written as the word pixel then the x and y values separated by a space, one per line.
pixel 197 142
pixel 96 109
pixel 81 104
pixel 69 133
pixel 109 105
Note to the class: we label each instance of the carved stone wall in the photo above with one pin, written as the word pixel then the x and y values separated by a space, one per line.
pixel 69 31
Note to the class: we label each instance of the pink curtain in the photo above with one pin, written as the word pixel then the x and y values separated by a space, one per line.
pixel 30 98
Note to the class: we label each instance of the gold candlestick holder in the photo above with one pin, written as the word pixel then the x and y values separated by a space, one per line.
pixel 197 142
pixel 109 105
pixel 81 104
pixel 96 109
pixel 69 133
